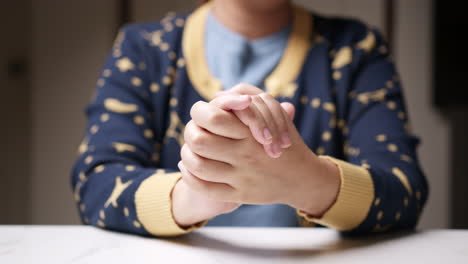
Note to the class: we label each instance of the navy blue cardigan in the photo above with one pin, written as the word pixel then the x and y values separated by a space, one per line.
pixel 339 75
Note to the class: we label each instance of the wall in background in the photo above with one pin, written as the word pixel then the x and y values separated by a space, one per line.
pixel 370 11
pixel 413 54
pixel 147 10
pixel 15 133
pixel 71 39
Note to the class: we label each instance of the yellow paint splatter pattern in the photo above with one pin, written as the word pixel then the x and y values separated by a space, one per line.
pixel 116 106
pixel 343 57
pixel 122 147
pixel 119 188
pixel 403 179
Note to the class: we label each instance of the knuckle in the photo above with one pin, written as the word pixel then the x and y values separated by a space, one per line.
pixel 196 108
pixel 266 96
pixel 191 161
pixel 248 113
pixel 197 166
pixel 190 124
pixel 215 118
pixel 259 124
pixel 183 152
pixel 199 140
pixel 256 117
pixel 257 98
pixel 188 131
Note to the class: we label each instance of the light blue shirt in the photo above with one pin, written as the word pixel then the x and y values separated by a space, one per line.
pixel 232 58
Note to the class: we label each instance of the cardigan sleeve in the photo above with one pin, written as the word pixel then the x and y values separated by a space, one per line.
pixel 116 180
pixel 382 185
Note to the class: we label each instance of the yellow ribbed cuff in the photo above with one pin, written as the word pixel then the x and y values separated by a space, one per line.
pixel 354 198
pixel 154 205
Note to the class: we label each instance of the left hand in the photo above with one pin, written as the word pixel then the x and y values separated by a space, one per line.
pixel 260 112
pixel 223 160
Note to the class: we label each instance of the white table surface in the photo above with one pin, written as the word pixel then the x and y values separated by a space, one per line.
pixel 84 244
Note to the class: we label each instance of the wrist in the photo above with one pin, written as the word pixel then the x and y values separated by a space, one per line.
pixel 318 187
pixel 331 186
pixel 186 209
pixel 182 209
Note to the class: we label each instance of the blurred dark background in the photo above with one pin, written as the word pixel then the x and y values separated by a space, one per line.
pixel 51 52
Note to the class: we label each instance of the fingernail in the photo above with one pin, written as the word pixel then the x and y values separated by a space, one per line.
pixel 245 97
pixel 179 165
pixel 267 135
pixel 245 100
pixel 285 140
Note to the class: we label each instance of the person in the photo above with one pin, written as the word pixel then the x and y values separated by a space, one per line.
pixel 313 132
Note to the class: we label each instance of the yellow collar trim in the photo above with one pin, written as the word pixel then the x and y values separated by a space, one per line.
pixel 279 83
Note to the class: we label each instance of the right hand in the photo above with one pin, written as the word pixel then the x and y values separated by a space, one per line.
pixel 186 209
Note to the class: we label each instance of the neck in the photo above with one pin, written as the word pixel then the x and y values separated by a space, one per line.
pixel 251 22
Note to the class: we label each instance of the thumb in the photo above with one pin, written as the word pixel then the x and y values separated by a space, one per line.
pixel 289 109
pixel 241 88
pixel 232 102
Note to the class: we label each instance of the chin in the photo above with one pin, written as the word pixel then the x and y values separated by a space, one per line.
pixel 261 5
